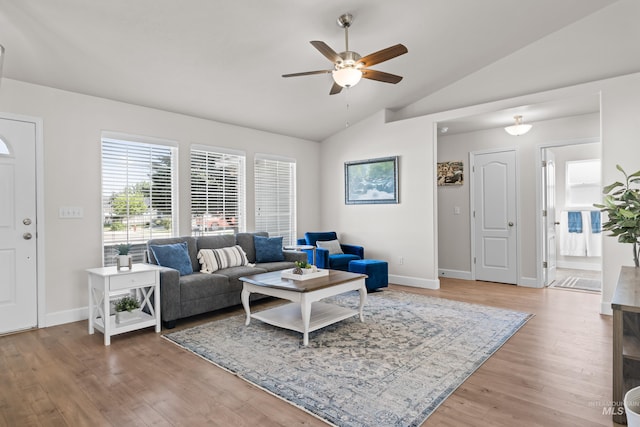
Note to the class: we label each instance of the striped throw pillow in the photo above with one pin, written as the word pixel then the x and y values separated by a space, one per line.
pixel 216 259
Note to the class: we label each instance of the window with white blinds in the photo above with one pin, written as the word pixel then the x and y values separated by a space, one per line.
pixel 138 194
pixel 275 191
pixel 217 191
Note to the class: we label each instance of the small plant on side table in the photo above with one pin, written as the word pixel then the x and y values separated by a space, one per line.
pixel 126 308
pixel 123 249
pixel 123 257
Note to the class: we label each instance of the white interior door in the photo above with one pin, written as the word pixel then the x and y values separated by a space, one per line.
pixel 549 216
pixel 18 247
pixel 495 209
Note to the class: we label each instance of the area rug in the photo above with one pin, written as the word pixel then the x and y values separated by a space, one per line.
pixel 394 369
pixel 583 284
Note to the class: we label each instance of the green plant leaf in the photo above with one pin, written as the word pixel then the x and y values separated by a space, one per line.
pixel 610 187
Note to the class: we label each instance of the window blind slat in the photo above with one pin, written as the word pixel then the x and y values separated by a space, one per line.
pixel 275 193
pixel 217 192
pixel 137 194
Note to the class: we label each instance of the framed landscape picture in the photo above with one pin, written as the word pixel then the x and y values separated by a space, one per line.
pixel 372 181
pixel 450 173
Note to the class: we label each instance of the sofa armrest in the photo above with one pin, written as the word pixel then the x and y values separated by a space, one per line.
pixel 353 250
pixel 322 258
pixel 293 256
pixel 169 294
pixel 301 241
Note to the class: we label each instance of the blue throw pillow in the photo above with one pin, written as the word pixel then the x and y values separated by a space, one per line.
pixel 174 256
pixel 268 249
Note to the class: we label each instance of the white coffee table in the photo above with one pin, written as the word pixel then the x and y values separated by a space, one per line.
pixel 305 313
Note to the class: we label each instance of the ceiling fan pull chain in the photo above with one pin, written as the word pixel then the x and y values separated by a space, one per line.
pixel 346 97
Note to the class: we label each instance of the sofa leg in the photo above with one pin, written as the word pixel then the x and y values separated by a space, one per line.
pixel 169 324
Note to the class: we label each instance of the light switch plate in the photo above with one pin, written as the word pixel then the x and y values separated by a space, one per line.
pixel 71 212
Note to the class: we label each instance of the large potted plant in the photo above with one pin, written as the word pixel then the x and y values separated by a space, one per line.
pixel 622 205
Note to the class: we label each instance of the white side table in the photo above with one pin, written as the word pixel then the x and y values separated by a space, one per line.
pixel 105 282
pixel 303 248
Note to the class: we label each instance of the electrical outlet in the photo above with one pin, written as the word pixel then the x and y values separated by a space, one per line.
pixel 400 260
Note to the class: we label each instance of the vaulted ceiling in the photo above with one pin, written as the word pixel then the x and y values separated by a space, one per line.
pixel 223 60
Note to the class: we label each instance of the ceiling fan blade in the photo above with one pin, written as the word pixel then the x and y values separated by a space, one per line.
pixel 324 49
pixel 383 55
pixel 336 88
pixel 381 76
pixel 307 73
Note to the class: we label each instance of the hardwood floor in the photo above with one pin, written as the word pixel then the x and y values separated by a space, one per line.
pixel 556 371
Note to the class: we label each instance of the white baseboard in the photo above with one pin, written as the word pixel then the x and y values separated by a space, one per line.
pixel 67 316
pixel 414 281
pixel 455 274
pixel 529 282
pixel 577 265
pixel 605 308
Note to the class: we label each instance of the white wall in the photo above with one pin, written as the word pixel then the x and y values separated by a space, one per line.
pixel 410 226
pixel 454 230
pixel 388 231
pixel 72 127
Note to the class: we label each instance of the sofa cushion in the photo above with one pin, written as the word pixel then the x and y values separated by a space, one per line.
pixel 191 245
pixel 313 236
pixel 216 259
pixel 333 246
pixel 341 261
pixel 216 242
pixel 175 255
pixel 268 249
pixel 246 241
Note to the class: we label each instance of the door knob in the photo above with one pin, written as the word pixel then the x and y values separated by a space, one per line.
pixel 26 221
pixel 510 224
pixel 27 236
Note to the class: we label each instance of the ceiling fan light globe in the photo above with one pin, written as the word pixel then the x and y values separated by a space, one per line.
pixel 347 77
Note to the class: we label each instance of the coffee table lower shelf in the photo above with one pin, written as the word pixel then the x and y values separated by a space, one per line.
pixel 289 316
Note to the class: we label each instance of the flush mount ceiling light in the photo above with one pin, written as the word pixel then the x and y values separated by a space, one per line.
pixel 518 128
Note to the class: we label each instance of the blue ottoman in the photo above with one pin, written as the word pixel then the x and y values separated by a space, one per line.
pixel 378 272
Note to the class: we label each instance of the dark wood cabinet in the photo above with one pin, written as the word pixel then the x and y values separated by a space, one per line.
pixel 626 336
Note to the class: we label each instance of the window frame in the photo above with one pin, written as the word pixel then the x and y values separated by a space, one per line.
pixel 290 237
pixel 594 187
pixel 241 185
pixel 138 245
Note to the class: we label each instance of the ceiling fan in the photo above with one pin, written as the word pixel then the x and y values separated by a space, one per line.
pixel 349 67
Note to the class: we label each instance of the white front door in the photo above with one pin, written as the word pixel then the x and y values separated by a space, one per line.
pixel 494 190
pixel 549 216
pixel 18 263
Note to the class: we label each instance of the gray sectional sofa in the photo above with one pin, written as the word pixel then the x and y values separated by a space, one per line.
pixel 196 293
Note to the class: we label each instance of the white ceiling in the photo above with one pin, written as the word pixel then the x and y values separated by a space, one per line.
pixel 223 60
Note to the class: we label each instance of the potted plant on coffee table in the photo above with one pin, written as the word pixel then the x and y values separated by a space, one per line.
pixel 127 309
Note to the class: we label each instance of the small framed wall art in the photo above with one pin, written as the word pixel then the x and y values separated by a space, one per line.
pixel 450 173
pixel 372 181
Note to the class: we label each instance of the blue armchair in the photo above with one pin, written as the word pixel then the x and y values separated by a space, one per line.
pixel 332 261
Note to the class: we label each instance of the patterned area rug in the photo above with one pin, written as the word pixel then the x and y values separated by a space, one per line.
pixel 394 369
pixel 583 284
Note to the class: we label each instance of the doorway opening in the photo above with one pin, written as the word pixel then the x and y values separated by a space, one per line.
pixel 571 226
